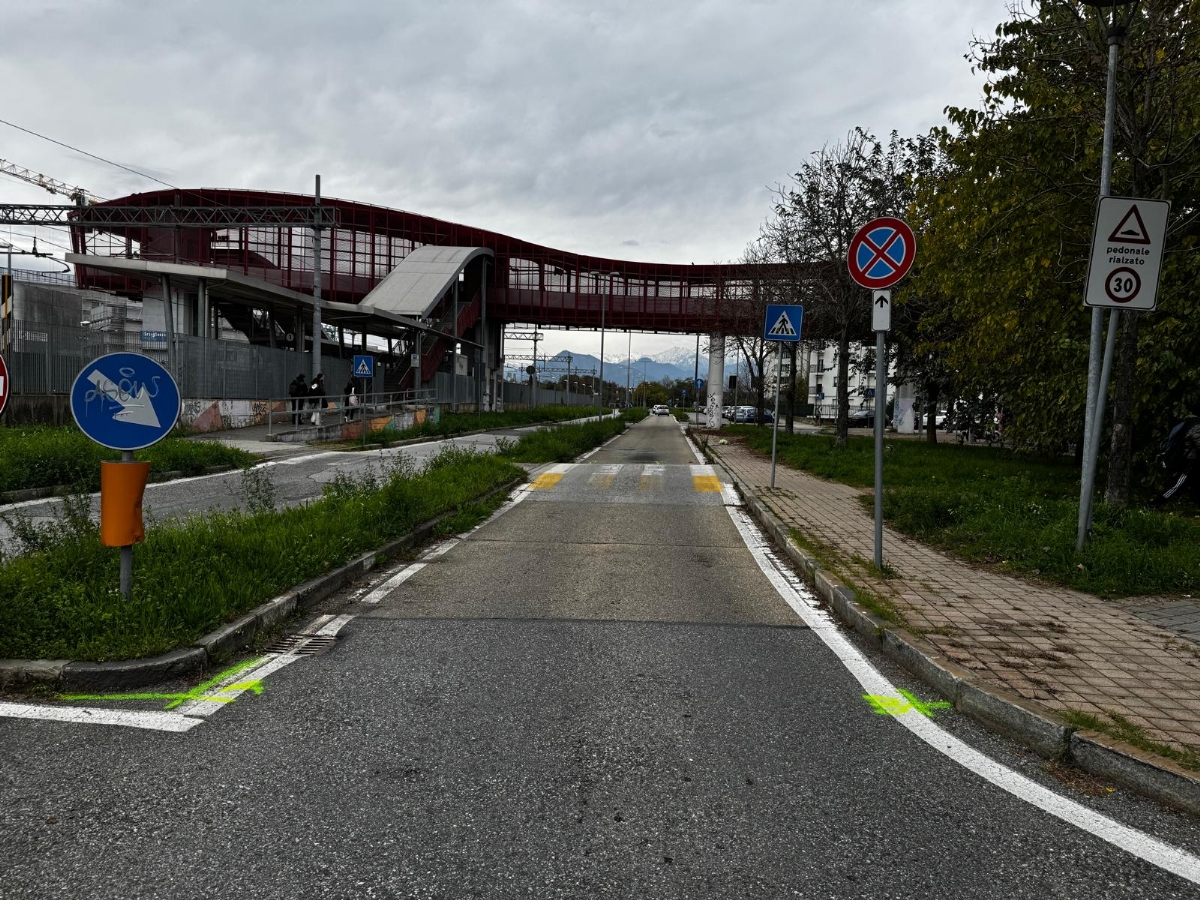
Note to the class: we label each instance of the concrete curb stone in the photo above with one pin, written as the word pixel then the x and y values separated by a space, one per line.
pixel 61 490
pixel 218 645
pixel 994 708
pixel 1162 779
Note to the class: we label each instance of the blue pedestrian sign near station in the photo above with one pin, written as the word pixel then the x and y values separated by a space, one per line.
pixel 125 401
pixel 782 323
pixel 364 367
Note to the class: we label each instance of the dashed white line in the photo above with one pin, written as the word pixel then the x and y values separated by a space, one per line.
pixel 392 583
pixel 86 715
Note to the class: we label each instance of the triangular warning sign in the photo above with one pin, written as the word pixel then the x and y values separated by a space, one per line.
pixel 782 328
pixel 364 369
pixel 1131 229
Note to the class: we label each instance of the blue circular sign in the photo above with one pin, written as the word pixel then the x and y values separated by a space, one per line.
pixel 125 401
pixel 699 383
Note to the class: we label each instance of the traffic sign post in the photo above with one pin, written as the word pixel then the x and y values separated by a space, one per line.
pixel 1128 238
pixel 5 385
pixel 124 401
pixel 880 254
pixel 781 325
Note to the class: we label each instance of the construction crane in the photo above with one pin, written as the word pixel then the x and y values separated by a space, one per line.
pixel 54 186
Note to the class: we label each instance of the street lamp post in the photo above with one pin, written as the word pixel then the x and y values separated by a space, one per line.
pixel 1115 28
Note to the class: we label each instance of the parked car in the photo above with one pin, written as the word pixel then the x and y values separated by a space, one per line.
pixel 865 418
pixel 660 410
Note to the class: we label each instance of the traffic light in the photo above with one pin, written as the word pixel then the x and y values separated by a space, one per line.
pixel 733 382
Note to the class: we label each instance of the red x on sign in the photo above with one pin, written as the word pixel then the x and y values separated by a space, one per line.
pixel 881 253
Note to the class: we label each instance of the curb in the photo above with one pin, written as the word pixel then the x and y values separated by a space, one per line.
pixel 62 490
pixel 216 646
pixel 996 709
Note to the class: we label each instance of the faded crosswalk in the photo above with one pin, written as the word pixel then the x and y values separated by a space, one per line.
pixel 632 483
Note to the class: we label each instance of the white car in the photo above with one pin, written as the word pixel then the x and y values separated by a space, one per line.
pixel 660 410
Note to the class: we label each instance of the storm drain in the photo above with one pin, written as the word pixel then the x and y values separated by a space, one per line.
pixel 300 644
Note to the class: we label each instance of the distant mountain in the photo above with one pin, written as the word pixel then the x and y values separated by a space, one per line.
pixel 675 363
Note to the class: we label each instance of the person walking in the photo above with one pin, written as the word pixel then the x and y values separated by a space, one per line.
pixel 351 395
pixel 298 391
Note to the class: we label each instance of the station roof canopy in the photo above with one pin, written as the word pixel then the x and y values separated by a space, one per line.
pixel 422 279
pixel 228 286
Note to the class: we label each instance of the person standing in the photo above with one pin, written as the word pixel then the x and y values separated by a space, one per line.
pixel 298 391
pixel 350 394
pixel 316 392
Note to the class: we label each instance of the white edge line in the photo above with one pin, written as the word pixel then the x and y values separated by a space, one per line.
pixel 1151 849
pixel 335 626
pixel 395 581
pixel 86 715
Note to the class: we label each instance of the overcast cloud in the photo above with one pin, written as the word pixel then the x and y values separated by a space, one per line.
pixel 648 131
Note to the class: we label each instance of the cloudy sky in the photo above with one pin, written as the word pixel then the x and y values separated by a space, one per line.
pixel 648 130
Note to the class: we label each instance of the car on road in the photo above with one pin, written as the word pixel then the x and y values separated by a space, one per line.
pixel 660 410
pixel 864 418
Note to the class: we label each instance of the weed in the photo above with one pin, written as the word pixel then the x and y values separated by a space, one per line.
pixel 258 490
pixel 70 523
pixel 1122 729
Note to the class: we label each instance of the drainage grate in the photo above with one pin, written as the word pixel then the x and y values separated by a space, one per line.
pixel 300 644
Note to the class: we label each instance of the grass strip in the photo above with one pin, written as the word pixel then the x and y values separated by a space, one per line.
pixel 456 423
pixel 563 443
pixel 62 602
pixel 43 457
pixel 1007 509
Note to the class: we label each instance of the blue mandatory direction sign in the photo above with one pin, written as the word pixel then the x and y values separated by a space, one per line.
pixel 782 323
pixel 125 401
pixel 364 367
pixel 698 384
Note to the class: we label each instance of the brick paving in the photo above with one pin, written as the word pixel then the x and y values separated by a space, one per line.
pixel 1063 649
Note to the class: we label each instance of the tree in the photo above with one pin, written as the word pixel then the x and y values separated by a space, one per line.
pixel 1010 225
pixel 838 190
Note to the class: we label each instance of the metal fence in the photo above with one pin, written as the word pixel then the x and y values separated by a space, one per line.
pixel 45 358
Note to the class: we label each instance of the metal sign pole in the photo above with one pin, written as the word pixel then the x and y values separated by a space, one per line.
pixel 880 381
pixel 127 550
pixel 775 424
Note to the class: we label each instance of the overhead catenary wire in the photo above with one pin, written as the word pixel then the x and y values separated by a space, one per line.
pixel 86 153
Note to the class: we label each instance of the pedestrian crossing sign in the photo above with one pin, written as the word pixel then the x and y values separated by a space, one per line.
pixel 364 367
pixel 782 323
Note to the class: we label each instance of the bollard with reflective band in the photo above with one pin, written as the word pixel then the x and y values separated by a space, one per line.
pixel 122 485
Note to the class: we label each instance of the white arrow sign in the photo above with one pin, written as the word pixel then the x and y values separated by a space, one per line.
pixel 881 311
pixel 134 410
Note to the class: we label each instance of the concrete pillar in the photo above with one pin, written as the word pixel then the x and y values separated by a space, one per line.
pixel 205 318
pixel 904 416
pixel 716 379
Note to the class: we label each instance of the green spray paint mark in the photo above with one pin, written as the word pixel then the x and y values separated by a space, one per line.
pixel 890 706
pixel 199 692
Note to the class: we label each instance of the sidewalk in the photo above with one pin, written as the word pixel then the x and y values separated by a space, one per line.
pixel 1061 649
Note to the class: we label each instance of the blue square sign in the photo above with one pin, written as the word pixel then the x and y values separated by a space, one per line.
pixel 782 323
pixel 364 367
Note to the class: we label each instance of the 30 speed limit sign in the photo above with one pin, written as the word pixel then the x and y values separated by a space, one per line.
pixel 1127 250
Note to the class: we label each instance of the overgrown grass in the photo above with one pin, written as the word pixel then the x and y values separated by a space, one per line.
pixel 190 577
pixel 43 457
pixel 1007 509
pixel 634 414
pixel 563 443
pixel 456 423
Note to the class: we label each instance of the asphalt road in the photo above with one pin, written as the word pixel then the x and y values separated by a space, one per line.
pixel 600 692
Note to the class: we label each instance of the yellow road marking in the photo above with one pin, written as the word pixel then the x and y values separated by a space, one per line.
pixel 546 481
pixel 604 482
pixel 650 483
pixel 706 484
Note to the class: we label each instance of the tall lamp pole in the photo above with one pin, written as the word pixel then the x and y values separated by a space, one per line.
pixel 1115 27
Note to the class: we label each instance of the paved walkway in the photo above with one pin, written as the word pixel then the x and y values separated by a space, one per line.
pixel 1063 649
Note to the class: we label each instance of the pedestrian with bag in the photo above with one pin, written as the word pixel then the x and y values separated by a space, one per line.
pixel 352 398
pixel 316 395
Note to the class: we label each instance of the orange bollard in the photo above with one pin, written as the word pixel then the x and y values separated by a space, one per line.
pixel 122 485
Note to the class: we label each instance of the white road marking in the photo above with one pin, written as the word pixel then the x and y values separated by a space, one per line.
pixel 316 624
pixel 798 597
pixel 392 583
pixel 611 469
pixel 86 715
pixel 702 470
pixel 654 470
pixel 332 628
pixel 440 549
